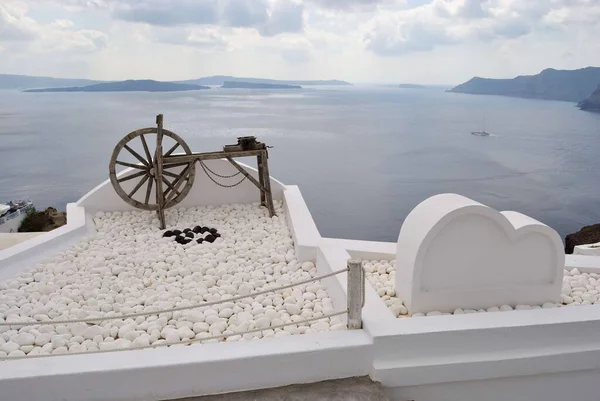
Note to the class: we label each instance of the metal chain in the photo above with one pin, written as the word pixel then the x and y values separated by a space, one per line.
pixel 218 183
pixel 219 175
pixel 176 309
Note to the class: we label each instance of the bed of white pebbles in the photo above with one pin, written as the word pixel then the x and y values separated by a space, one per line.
pixel 577 289
pixel 129 267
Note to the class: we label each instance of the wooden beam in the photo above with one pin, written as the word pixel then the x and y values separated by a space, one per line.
pixel 246 174
pixel 158 163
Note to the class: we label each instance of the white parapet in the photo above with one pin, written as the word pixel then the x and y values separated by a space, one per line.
pixel 454 252
pixel 588 249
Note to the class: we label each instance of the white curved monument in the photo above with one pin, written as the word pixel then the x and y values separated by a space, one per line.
pixel 453 252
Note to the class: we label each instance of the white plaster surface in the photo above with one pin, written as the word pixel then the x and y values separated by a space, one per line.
pixel 9 239
pixel 177 372
pixel 453 252
pixel 304 231
pixel 589 249
pixel 578 288
pixel 204 192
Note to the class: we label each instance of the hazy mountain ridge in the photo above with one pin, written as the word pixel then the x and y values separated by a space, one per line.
pixel 411 86
pixel 21 82
pixel 592 103
pixel 219 80
pixel 13 81
pixel 256 85
pixel 131 85
pixel 550 84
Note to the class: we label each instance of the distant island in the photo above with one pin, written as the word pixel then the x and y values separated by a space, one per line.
pixel 550 84
pixel 411 86
pixel 255 85
pixel 131 85
pixel 219 80
pixel 26 82
pixel 592 103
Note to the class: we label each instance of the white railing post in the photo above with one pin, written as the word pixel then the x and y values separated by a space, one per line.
pixel 355 295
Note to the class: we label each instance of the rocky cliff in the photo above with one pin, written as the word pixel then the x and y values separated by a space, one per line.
pixel 592 103
pixel 550 84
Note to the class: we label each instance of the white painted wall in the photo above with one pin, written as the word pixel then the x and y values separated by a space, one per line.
pixel 203 192
pixel 304 231
pixel 589 249
pixel 454 253
pixel 581 385
pixel 177 372
pixel 24 255
pixel 534 355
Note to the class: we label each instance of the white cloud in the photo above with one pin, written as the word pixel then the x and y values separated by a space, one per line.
pixel 206 38
pixel 55 36
pixel 358 40
pixel 15 25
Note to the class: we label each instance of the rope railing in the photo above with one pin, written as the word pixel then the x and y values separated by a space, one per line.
pixel 184 342
pixel 355 297
pixel 175 309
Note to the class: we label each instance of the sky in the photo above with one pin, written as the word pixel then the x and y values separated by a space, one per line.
pixel 361 41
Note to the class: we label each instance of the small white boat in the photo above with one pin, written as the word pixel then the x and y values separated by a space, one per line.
pixel 480 133
pixel 483 132
pixel 12 213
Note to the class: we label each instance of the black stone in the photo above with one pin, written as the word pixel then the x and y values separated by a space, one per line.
pixel 168 234
pixel 179 238
pixel 197 229
pixel 187 230
pixel 209 238
pixel 200 240
pixel 186 241
pixel 587 235
pixel 213 231
pixel 189 234
pixel 203 229
pixel 216 235
pixel 176 232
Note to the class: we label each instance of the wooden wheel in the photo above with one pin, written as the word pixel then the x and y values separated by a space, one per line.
pixel 137 187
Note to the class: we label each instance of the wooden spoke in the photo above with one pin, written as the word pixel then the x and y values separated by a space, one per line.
pixel 130 165
pixel 138 186
pixel 148 190
pixel 170 186
pixel 169 174
pixel 146 150
pixel 136 155
pixel 132 176
pixel 171 150
pixel 147 180
pixel 179 180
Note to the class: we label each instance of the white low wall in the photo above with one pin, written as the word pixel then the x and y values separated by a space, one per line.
pixel 589 249
pixel 304 231
pixel 177 372
pixel 203 192
pixel 447 358
pixel 24 255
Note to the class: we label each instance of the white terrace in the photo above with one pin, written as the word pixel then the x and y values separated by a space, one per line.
pixel 469 304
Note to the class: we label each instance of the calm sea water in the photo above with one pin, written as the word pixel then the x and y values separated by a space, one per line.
pixel 362 156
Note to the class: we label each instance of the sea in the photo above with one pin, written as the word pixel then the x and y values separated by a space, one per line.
pixel 363 156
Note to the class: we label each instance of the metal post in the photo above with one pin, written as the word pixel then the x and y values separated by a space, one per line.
pixel 356 283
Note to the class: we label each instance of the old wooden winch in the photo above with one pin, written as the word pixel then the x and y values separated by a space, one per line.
pixel 168 177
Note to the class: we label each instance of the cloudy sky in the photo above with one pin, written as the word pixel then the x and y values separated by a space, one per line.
pixel 362 41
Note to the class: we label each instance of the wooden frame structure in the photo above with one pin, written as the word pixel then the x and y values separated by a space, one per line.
pixel 173 175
